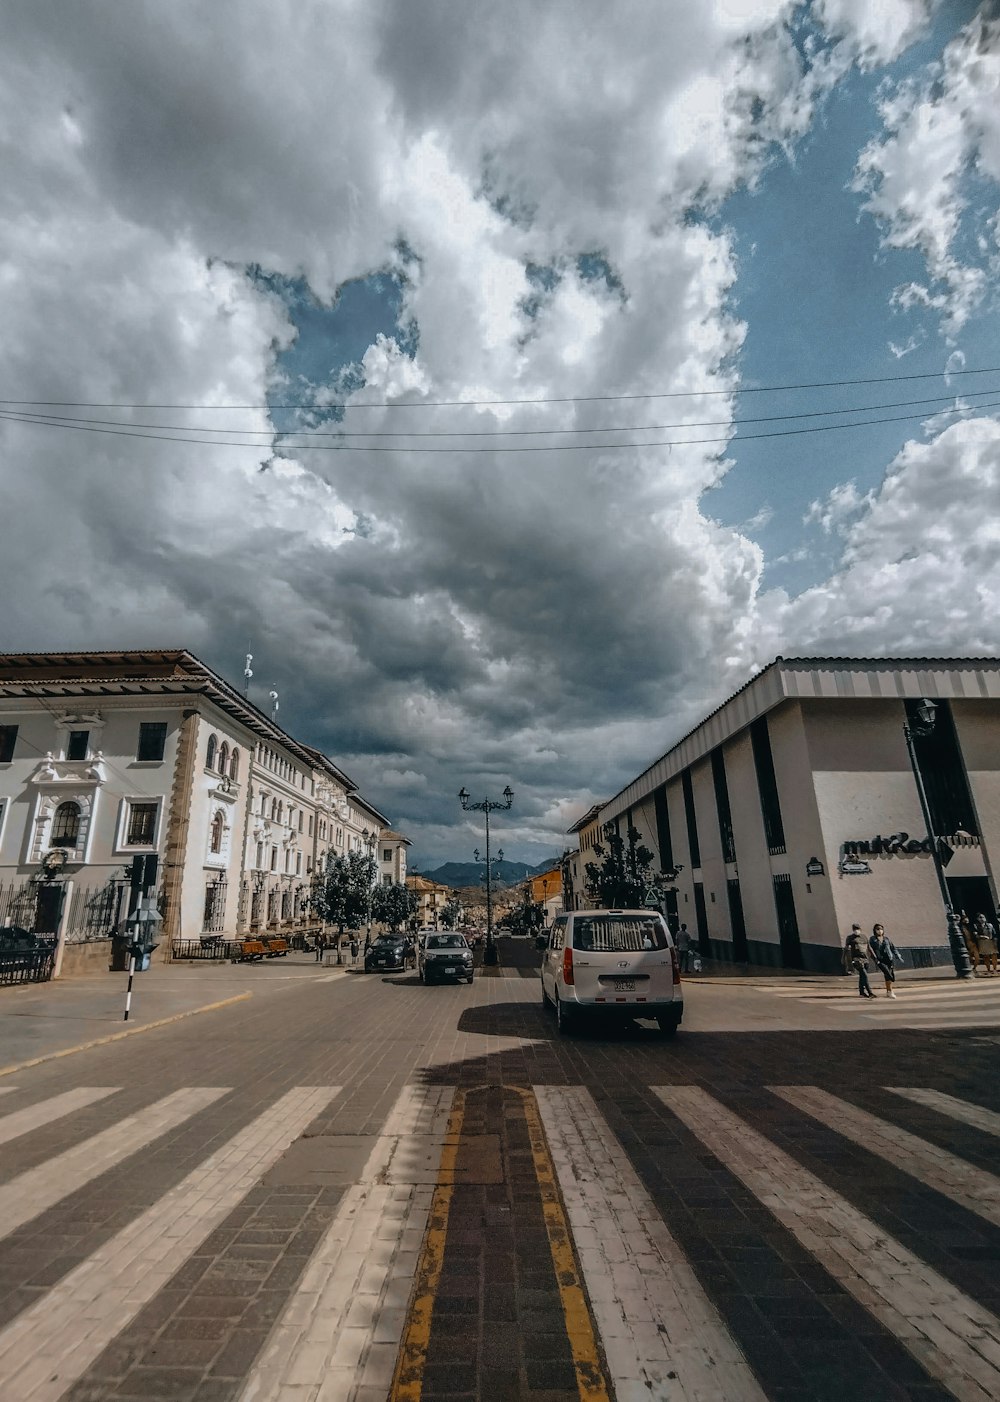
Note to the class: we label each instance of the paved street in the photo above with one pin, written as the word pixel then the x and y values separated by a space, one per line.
pixel 351 1187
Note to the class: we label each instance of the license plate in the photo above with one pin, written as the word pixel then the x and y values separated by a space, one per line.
pixel 624 985
pixel 450 969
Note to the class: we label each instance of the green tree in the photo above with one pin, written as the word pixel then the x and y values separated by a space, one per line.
pixel 341 893
pixel 393 905
pixel 621 876
pixel 451 913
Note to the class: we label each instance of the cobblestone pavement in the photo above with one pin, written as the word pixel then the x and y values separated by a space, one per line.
pixel 360 1188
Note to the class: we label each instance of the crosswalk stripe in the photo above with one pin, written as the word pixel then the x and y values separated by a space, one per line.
pixel 975 1115
pixel 659 1331
pixel 49 1346
pixel 342 1328
pixel 971 1187
pixel 35 1116
pixel 944 1019
pixel 949 1334
pixel 34 1192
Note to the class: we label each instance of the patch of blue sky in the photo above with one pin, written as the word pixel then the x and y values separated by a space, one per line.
pixel 815 287
pixel 331 340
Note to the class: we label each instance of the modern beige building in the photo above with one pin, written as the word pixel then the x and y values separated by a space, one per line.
pixel 793 809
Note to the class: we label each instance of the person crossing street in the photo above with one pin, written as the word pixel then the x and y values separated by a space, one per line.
pixel 855 960
pixel 884 955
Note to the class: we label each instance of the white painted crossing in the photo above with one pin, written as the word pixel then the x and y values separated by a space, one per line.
pixel 49 1346
pixel 25 1121
pixel 339 1336
pixel 661 1335
pixel 34 1192
pixel 975 1115
pixel 971 1187
pixel 930 1003
pixel 951 1335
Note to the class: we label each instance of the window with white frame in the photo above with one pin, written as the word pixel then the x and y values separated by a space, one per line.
pixel 141 828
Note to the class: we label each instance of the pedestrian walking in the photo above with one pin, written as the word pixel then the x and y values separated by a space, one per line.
pixel 985 936
pixel 319 947
pixel 855 960
pixel 354 949
pixel 683 942
pixel 884 955
pixel 965 930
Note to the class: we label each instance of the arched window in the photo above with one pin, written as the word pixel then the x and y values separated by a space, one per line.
pixel 281 812
pixel 263 805
pixel 260 855
pixel 66 826
pixel 234 764
pixel 218 828
pixel 210 757
pixel 223 758
pixel 274 809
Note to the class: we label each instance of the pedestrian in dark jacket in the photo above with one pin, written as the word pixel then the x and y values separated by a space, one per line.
pixel 854 959
pixel 884 955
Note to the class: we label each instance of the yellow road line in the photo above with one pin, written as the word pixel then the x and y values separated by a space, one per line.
pixel 117 1036
pixel 579 1326
pixel 408 1380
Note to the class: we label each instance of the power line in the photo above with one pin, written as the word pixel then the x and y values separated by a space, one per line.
pixel 542 399
pixel 73 421
pixel 81 427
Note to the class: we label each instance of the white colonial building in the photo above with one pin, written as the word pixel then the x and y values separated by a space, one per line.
pixel 110 756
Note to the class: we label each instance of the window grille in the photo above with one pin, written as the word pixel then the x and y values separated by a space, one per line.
pixel 66 826
pixel 141 829
pixel 215 905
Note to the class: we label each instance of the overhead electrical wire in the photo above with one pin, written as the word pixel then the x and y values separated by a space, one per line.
pixel 72 420
pixel 180 436
pixel 486 403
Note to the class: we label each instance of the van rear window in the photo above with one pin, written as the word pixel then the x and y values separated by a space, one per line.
pixel 614 934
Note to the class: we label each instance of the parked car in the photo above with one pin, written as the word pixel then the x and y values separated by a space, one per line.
pixel 386 952
pixel 615 965
pixel 444 956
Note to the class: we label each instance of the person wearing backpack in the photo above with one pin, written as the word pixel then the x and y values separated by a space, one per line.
pixel 855 960
pixel 884 955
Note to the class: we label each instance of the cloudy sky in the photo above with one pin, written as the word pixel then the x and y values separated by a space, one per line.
pixel 420 345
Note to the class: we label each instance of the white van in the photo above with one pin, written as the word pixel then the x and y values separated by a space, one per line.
pixel 613 964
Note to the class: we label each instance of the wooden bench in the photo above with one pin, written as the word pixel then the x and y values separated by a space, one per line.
pixel 276 947
pixel 248 950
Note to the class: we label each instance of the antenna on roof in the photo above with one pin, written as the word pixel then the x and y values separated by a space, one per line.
pixel 274 704
pixel 247 673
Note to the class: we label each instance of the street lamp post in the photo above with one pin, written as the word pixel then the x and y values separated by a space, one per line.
pixel 370 839
pixel 489 881
pixel 926 717
pixel 487 806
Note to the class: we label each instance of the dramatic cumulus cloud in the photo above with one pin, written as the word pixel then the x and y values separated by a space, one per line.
pixel 921 560
pixel 530 180
pixel 942 132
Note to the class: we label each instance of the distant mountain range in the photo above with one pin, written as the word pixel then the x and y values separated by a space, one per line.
pixel 472 873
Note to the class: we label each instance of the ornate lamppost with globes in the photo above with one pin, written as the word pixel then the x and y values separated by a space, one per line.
pixel 926 716
pixel 486 807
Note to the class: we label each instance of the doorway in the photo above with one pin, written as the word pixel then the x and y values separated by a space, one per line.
pixel 971 894
pixel 736 920
pixel 788 925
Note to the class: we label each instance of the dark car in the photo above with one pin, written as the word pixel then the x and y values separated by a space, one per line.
pixel 386 952
pixel 444 956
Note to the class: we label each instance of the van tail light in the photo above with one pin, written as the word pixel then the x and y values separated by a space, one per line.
pixel 676 964
pixel 567 965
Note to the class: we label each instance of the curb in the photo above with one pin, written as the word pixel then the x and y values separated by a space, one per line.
pixel 117 1036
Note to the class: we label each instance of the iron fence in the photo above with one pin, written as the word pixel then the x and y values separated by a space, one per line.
pixel 96 912
pixel 27 965
pixel 203 949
